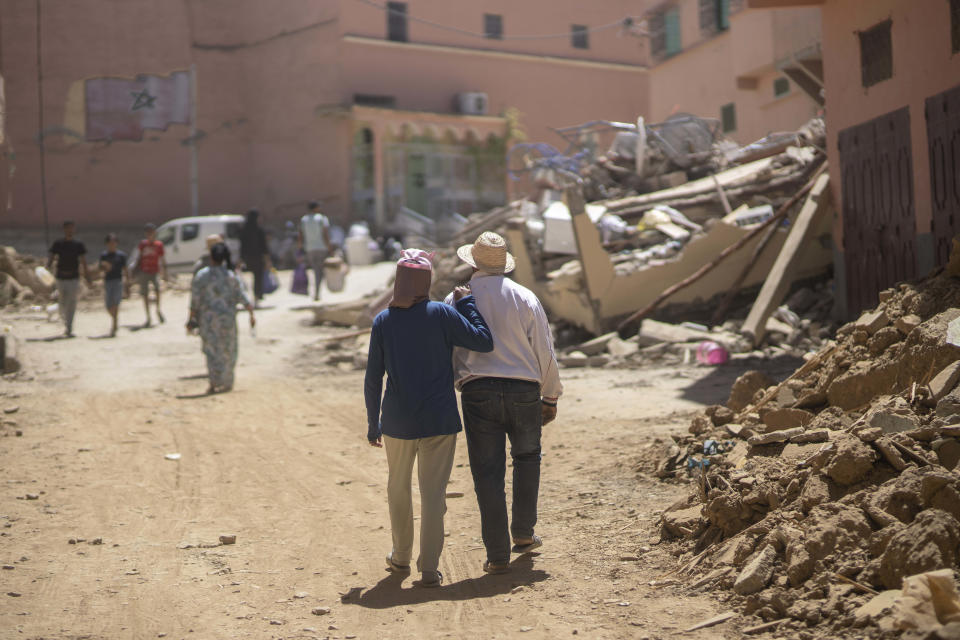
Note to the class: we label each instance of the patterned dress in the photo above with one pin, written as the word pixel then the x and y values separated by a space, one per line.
pixel 215 294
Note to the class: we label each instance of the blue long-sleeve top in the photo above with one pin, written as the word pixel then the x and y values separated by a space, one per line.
pixel 415 347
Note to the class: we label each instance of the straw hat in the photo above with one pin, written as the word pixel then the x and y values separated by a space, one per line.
pixel 488 254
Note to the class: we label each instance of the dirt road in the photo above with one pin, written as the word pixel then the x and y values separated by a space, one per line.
pixel 282 463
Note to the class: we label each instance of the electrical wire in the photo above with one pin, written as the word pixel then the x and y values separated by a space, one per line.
pixel 626 21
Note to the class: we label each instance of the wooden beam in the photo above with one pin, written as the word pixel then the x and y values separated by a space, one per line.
pixel 777 284
pixel 723 617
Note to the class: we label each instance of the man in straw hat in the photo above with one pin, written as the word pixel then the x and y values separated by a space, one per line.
pixel 510 392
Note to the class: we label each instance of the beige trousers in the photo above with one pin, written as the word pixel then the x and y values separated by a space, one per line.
pixel 434 462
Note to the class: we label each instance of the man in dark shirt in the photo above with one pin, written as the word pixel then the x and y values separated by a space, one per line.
pixel 71 263
pixel 113 264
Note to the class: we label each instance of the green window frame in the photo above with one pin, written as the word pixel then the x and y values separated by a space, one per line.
pixel 781 87
pixel 671 24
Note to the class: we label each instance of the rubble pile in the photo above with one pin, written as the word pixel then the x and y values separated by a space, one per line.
pixel 23 278
pixel 800 326
pixel 817 493
pixel 671 153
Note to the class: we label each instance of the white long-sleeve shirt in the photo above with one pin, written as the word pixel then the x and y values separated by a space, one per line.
pixel 522 343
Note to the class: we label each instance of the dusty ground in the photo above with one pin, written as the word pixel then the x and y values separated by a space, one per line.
pixel 282 462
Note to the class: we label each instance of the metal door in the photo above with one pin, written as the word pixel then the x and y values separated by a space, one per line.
pixel 879 217
pixel 943 139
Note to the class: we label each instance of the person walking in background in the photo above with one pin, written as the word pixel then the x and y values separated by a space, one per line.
pixel 151 263
pixel 204 260
pixel 214 295
pixel 71 264
pixel 510 392
pixel 254 253
pixel 113 265
pixel 315 240
pixel 412 341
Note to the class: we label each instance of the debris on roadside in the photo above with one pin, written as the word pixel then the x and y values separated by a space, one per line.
pixel 23 279
pixel 842 481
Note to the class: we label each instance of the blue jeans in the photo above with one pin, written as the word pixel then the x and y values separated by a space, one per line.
pixel 495 409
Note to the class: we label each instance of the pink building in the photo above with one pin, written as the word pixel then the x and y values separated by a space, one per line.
pixel 892 86
pixel 367 106
pixel 757 71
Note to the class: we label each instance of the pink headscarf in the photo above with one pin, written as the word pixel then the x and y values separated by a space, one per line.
pixel 416 259
pixel 412 284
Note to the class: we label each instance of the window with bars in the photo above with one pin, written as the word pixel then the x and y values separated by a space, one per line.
pixel 665 33
pixel 728 117
pixel 579 36
pixel 876 54
pixel 658 36
pixel 397 21
pixel 493 26
pixel 714 16
pixel 781 87
pixel 955 26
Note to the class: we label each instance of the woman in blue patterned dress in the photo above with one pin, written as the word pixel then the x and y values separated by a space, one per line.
pixel 215 294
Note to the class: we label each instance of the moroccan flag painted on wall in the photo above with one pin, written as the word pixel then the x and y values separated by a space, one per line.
pixel 122 108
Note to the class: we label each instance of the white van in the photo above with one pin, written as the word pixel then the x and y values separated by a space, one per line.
pixel 185 239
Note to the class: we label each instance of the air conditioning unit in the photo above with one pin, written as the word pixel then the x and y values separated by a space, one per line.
pixel 472 103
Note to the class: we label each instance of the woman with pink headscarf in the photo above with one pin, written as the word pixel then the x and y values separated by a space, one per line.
pixel 416 419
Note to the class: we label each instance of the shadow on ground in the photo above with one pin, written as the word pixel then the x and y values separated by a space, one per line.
pixel 390 592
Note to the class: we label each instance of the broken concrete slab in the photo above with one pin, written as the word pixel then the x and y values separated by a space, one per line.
pixel 745 387
pixel 653 331
pixel 774 436
pixel 872 321
pixel 598 345
pixel 757 572
pixel 852 462
pixel 890 422
pixel 772 325
pixel 907 323
pixel 776 419
pixel 953 333
pixel 682 522
pixel 813 435
pixel 948 452
pixel 881 602
pixel 622 348
pixel 944 382
pixel 580 359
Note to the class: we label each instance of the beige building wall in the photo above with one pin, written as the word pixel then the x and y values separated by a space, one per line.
pixel 527 18
pixel 261 72
pixel 736 66
pixel 923 66
pixel 549 93
pixel 276 81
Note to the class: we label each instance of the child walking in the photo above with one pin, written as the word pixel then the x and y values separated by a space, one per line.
pixel 113 265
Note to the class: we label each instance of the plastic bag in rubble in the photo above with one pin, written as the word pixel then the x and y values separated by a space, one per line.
pixel 709 352
pixel 928 601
